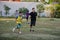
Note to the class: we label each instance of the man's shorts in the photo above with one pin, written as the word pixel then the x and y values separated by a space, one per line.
pixel 18 26
pixel 33 23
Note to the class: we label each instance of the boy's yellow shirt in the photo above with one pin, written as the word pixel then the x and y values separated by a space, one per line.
pixel 19 20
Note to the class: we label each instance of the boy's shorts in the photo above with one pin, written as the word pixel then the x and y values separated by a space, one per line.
pixel 18 26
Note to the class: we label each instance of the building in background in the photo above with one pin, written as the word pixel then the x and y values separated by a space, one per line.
pixel 11 0
pixel 24 0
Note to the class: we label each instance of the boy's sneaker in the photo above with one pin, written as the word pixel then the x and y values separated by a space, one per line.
pixel 20 32
pixel 13 29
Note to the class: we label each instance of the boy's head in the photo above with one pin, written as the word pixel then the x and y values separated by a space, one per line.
pixel 20 13
pixel 27 10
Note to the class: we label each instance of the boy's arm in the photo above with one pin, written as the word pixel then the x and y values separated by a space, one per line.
pixel 21 18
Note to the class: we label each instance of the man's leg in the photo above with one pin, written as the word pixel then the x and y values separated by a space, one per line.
pixel 31 29
pixel 34 22
pixel 31 26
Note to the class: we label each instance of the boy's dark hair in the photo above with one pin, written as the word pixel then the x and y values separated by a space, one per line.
pixel 20 12
pixel 33 8
pixel 16 10
pixel 27 10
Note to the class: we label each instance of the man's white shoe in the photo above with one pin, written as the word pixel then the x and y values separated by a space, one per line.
pixel 13 29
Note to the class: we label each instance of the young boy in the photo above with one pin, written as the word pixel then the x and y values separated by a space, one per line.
pixel 19 22
pixel 27 15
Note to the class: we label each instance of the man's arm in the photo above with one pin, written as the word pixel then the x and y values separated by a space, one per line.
pixel 29 13
pixel 36 13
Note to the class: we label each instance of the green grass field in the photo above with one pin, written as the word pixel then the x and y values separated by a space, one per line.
pixel 44 30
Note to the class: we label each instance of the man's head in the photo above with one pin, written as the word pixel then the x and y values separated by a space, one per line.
pixel 33 9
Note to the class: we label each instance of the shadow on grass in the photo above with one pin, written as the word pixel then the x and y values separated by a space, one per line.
pixel 14 38
pixel 6 38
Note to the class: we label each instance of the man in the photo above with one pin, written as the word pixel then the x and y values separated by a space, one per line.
pixel 33 15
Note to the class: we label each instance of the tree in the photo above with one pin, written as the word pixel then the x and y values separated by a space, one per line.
pixel 23 10
pixel 6 8
pixel 57 11
pixel 51 1
pixel 40 8
pixel 1 13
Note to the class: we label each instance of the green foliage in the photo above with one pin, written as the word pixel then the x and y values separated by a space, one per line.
pixel 57 6
pixel 23 10
pixel 51 1
pixel 40 7
pixel 57 12
pixel 6 8
pixel 0 13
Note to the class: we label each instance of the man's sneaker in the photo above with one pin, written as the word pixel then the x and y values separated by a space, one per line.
pixel 13 29
pixel 28 23
pixel 32 30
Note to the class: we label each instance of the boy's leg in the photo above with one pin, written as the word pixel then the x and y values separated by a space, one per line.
pixel 13 29
pixel 27 19
pixel 19 30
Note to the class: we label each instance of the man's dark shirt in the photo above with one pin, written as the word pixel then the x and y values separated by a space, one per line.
pixel 33 16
